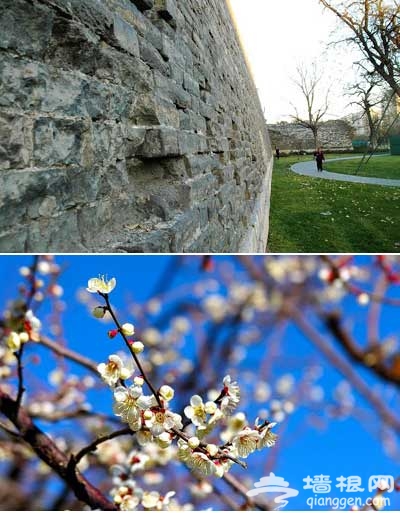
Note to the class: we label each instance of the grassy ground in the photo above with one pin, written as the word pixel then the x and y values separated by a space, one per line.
pixel 380 167
pixel 312 215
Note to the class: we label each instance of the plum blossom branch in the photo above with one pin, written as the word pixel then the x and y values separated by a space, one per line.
pixel 335 272
pixel 129 346
pixel 180 434
pixel 93 446
pixel 19 354
pixel 152 420
pixel 47 451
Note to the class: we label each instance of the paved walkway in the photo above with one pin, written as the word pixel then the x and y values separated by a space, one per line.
pixel 309 168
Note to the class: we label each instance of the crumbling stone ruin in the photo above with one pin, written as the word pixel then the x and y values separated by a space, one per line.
pixel 128 126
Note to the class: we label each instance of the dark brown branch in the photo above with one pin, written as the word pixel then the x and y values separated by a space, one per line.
pixel 357 354
pixel 93 446
pixel 128 345
pixel 19 354
pixel 48 452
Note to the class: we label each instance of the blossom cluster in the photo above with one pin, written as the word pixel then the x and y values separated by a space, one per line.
pixel 152 419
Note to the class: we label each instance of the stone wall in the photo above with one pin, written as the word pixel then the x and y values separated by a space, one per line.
pixel 333 135
pixel 128 125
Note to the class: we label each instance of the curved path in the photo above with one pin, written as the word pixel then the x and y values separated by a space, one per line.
pixel 309 168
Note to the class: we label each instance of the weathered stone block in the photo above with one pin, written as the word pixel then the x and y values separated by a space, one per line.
pixel 190 143
pixel 15 141
pixel 172 91
pixel 135 137
pixel 22 83
pixel 126 36
pixel 159 142
pixel 13 241
pixel 55 234
pixel 72 46
pixel 24 27
pixel 152 110
pixel 58 142
pixel 152 57
pixel 116 68
pixel 191 85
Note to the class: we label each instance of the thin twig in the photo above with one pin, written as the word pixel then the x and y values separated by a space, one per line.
pixel 68 353
pixel 19 354
pixel 134 356
pixel 93 446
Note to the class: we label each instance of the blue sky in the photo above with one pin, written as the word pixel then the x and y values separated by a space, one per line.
pixel 343 448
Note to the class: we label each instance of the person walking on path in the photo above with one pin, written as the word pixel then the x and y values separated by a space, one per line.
pixel 277 153
pixel 319 157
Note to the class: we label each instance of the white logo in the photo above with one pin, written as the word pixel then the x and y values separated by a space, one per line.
pixel 274 484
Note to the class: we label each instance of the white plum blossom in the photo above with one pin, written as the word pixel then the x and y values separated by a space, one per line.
pixel 129 503
pixel 197 411
pixel 162 420
pixel 193 442
pixel 212 449
pixel 154 501
pixel 144 437
pixel 167 393
pixel 114 370
pixel 137 461
pixel 267 437
pixel 96 285
pixel 137 347
pixel 128 329
pixel 212 422
pixel 121 476
pixel 245 442
pixel 235 423
pixel 200 489
pixel 216 307
pixel 164 440
pixel 34 322
pixel 231 397
pixel 201 462
pixel 129 402
pixel 13 341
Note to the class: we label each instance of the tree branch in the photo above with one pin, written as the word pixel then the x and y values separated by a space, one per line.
pixel 48 452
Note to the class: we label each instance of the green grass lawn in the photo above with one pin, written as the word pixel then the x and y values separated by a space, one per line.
pixel 312 215
pixel 380 167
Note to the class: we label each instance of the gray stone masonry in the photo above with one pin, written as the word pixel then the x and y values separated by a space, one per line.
pixel 129 126
pixel 333 135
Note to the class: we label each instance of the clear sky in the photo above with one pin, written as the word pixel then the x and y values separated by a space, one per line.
pixel 279 35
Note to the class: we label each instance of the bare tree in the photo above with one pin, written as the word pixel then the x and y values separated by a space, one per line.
pixel 368 100
pixel 375 30
pixel 308 82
